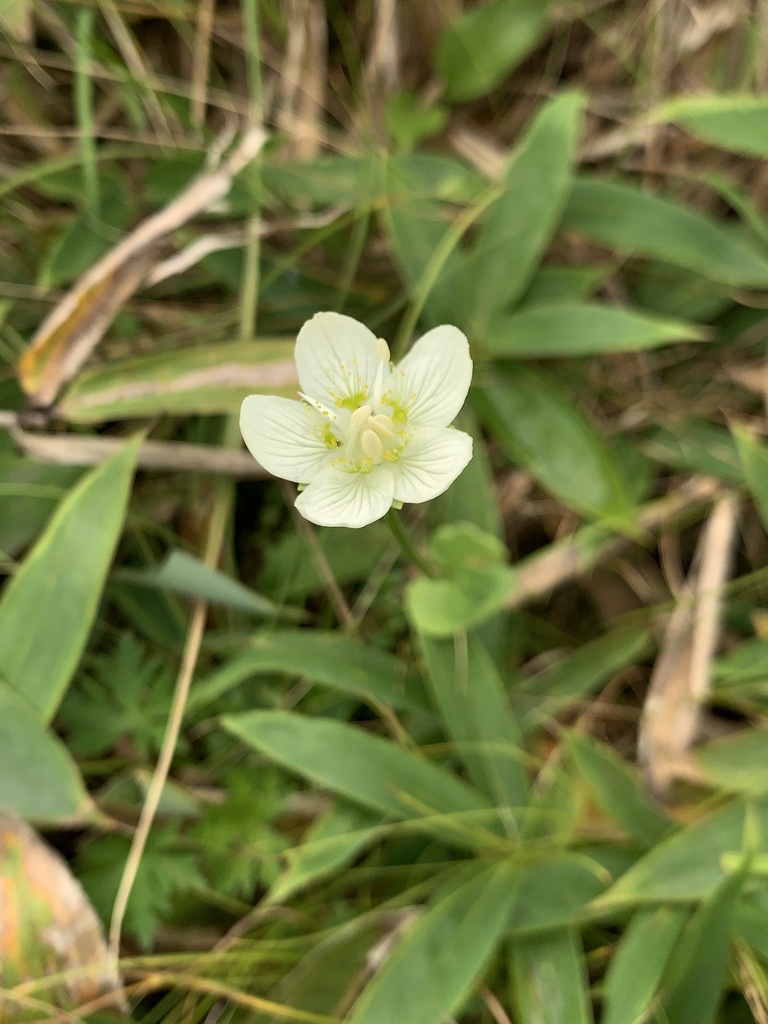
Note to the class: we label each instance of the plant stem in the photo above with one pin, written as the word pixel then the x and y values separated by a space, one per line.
pixel 408 549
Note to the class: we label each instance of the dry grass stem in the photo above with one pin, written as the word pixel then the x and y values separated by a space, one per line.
pixel 382 68
pixel 332 589
pixel 160 456
pixel 201 56
pixel 680 680
pixel 302 84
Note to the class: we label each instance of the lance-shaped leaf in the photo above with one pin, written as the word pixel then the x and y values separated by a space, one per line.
pixel 204 379
pixel 48 608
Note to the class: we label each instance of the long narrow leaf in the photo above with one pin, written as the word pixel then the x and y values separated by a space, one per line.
pixel 48 608
pixel 434 966
pixel 372 772
pixel 470 698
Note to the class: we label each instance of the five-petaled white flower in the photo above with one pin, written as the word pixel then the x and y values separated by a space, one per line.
pixel 366 435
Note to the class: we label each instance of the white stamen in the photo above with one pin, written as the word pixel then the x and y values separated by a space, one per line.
pixel 359 417
pixel 382 351
pixel 383 426
pixel 371 444
pixel 322 409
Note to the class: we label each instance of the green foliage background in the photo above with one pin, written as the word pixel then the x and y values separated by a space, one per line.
pixel 397 798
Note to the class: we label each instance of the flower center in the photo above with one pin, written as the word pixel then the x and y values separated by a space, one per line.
pixel 371 438
pixel 367 438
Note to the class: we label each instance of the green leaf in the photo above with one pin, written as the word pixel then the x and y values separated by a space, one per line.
pixel 433 968
pixel 638 223
pixel 471 498
pixel 518 226
pixel 581 329
pixel 701 962
pixel 470 698
pixel 738 123
pixel 480 47
pixel 550 980
pixel 754 459
pixel 477 584
pixel 697 446
pixel 538 428
pixel 39 781
pixel 372 772
pixel 443 177
pixel 330 843
pixel 671 291
pixel 746 664
pixel 155 616
pixel 48 608
pixel 329 972
pixel 560 283
pixel 460 547
pixel 742 201
pixel 29 492
pixel 240 848
pixel 182 573
pixel 416 227
pixel 752 919
pixel 409 120
pixel 617 789
pixel 127 693
pixel 636 969
pixel 165 873
pixel 556 805
pixel 328 659
pixel 737 763
pixel 687 866
pixel 205 379
pixel 556 891
pixel 339 178
pixel 441 608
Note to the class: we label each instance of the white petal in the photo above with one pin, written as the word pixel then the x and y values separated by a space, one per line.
pixel 432 382
pixel 336 358
pixel 433 459
pixel 285 437
pixel 336 498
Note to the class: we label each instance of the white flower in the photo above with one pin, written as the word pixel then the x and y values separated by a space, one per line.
pixel 365 435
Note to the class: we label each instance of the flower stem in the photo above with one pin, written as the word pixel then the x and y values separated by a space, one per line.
pixel 408 549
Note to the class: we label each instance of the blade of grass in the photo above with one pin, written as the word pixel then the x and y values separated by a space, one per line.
pixel 84 108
